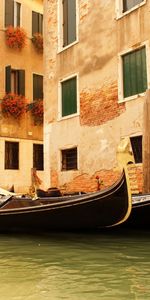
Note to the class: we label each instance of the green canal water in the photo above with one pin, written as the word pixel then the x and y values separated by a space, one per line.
pixel 106 266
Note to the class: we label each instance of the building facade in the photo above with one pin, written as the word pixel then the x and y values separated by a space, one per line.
pixel 96 74
pixel 21 83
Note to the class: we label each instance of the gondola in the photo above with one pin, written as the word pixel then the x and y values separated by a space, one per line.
pixel 98 210
pixel 91 211
pixel 140 214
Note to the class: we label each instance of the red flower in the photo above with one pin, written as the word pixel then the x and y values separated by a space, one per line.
pixel 37 40
pixel 13 105
pixel 15 37
pixel 37 110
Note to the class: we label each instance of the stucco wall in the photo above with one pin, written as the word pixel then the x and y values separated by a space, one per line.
pixel 24 130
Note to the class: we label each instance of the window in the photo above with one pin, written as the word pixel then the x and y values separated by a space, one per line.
pixel 12 155
pixel 37 22
pixel 37 87
pixel 128 4
pixel 14 81
pixel 134 72
pixel 69 159
pixel 69 21
pixel 12 13
pixel 69 96
pixel 136 143
pixel 38 157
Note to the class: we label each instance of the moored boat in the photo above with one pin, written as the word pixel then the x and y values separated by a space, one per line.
pixel 101 209
pixel 140 214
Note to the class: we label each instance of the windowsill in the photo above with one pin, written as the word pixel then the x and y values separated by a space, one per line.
pixel 73 170
pixel 131 98
pixel 68 117
pixel 122 14
pixel 61 49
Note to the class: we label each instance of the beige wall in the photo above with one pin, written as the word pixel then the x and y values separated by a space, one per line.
pixel 102 119
pixel 24 130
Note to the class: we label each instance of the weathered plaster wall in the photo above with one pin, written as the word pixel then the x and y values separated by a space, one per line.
pixel 102 121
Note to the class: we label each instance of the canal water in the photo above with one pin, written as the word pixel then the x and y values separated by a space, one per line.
pixel 106 266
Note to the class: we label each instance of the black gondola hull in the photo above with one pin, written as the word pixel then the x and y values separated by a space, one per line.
pixel 85 212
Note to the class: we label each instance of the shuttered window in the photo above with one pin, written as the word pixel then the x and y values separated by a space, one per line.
pixel 69 96
pixel 14 81
pixel 134 72
pixel 38 157
pixel 69 22
pixel 9 12
pixel 37 87
pixel 12 13
pixel 128 4
pixel 69 159
pixel 136 143
pixel 12 155
pixel 37 22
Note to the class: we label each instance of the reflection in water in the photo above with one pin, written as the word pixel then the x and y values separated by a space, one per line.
pixel 75 266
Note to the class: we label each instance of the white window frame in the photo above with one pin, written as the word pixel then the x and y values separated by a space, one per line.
pixel 119 8
pixel 60 26
pixel 60 97
pixel 121 97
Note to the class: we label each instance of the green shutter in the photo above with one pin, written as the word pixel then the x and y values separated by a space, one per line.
pixel 40 86
pixel 9 12
pixel 40 24
pixel 35 22
pixel 21 82
pixel 134 72
pixel 126 75
pixel 71 21
pixel 18 13
pixel 65 23
pixel 69 97
pixel 37 87
pixel 8 79
pixel 144 69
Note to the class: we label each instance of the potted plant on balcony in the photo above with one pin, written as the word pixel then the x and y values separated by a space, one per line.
pixel 15 37
pixel 36 109
pixel 37 40
pixel 13 105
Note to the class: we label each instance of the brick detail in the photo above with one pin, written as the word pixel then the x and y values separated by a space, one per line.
pixel 87 183
pixel 99 106
pixel 136 178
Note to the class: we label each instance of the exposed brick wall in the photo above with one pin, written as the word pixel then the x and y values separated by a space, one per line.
pixel 100 105
pixel 136 178
pixel 87 183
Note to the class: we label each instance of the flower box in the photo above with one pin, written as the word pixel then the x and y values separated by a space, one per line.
pixel 37 40
pixel 15 37
pixel 36 109
pixel 13 105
